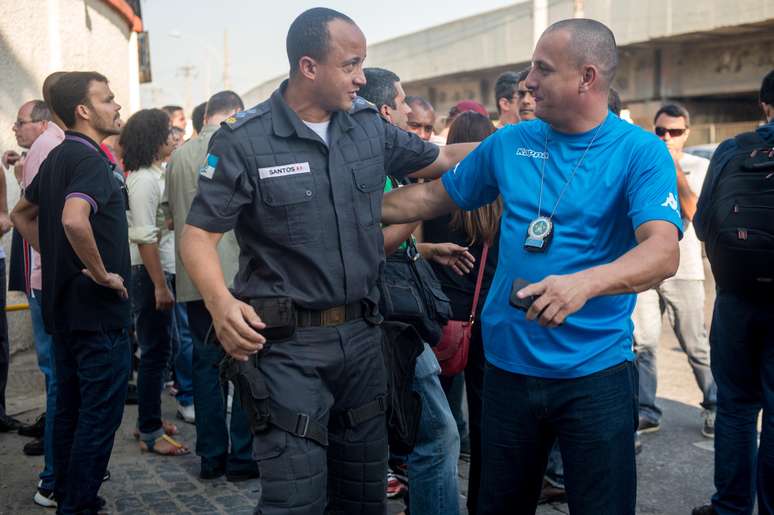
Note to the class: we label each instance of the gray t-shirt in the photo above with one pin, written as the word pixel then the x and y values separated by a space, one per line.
pixel 691 264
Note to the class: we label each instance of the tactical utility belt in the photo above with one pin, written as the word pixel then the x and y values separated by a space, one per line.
pixel 282 317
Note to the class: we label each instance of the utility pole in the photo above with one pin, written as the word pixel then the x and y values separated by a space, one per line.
pixel 539 19
pixel 226 62
pixel 188 72
pixel 577 11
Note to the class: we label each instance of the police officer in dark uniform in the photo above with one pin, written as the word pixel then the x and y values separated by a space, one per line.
pixel 300 179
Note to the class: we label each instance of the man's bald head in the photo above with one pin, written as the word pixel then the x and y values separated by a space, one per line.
pixel 591 42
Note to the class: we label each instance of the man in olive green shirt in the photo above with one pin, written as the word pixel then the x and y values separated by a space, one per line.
pixel 212 434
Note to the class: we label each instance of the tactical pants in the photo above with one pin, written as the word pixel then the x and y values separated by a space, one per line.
pixel 323 372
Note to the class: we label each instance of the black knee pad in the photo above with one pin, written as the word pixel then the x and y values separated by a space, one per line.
pixel 357 475
pixel 292 474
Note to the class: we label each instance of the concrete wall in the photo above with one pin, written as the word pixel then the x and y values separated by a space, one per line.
pixel 703 48
pixel 38 37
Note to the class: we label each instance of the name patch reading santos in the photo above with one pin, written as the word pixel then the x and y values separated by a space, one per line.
pixel 283 170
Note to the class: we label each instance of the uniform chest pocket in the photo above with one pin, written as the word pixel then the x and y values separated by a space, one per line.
pixel 288 213
pixel 368 190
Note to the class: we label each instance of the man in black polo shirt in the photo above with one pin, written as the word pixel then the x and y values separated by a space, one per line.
pixel 74 213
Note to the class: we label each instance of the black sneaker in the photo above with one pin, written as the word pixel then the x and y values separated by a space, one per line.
pixel 648 426
pixel 36 429
pixel 9 424
pixel 34 448
pixel 211 469
pixel 45 498
pixel 707 509
pixel 235 476
pixel 708 428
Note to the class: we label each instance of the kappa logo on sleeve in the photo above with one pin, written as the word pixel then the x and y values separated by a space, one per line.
pixel 208 170
pixel 671 202
pixel 283 170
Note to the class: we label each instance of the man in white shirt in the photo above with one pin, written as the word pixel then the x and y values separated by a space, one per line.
pixel 681 296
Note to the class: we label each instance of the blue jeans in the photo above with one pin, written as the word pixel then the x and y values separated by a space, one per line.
pixel 154 335
pixel 594 418
pixel 454 388
pixel 183 357
pixel 683 302
pixel 432 465
pixel 44 348
pixel 212 431
pixel 92 371
pixel 742 347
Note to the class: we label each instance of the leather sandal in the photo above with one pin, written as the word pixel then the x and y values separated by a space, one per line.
pixel 178 449
pixel 170 429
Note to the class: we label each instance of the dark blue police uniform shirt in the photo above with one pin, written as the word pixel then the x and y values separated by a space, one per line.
pixel 306 215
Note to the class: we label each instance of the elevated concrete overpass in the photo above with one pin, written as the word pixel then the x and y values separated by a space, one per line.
pixel 710 55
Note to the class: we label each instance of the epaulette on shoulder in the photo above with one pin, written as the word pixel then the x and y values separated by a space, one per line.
pixel 361 104
pixel 242 117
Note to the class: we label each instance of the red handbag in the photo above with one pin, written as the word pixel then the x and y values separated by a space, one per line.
pixel 452 350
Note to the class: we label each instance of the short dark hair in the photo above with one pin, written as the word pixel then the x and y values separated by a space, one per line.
pixel 170 109
pixel 506 86
pixel 308 35
pixel 767 89
pixel 40 111
pixel 523 74
pixel 380 87
pixel 422 102
pixel 614 102
pixel 47 83
pixel 197 117
pixel 674 110
pixel 143 136
pixel 223 102
pixel 70 91
pixel 592 42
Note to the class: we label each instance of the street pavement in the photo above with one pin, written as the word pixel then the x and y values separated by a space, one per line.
pixel 674 468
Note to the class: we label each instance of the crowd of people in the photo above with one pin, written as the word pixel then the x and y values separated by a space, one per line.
pixel 295 274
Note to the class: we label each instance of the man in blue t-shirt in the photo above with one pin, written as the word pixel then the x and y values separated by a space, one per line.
pixel 591 217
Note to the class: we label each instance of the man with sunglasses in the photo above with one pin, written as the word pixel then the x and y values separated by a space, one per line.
pixel 681 296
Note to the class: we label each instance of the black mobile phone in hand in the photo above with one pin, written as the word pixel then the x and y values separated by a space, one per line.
pixel 515 301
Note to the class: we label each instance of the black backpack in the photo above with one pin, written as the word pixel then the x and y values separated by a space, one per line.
pixel 740 220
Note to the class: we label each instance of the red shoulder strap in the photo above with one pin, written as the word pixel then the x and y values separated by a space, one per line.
pixel 479 280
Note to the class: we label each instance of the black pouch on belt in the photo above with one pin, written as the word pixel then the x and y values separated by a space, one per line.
pixel 279 315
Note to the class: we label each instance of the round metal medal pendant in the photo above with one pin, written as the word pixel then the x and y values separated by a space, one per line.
pixel 540 228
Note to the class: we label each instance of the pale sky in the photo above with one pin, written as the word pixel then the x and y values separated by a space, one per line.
pixel 190 33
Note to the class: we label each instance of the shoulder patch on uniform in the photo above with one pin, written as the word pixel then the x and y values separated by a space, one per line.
pixel 208 170
pixel 361 104
pixel 242 117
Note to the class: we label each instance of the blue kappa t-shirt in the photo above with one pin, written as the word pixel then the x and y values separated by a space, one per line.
pixel 627 178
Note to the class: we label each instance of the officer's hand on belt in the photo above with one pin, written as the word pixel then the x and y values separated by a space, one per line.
pixel 236 326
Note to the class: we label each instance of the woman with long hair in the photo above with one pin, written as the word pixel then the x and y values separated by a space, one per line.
pixel 472 229
pixel 147 142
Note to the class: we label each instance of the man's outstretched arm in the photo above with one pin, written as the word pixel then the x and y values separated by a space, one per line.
pixel 416 202
pixel 448 156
